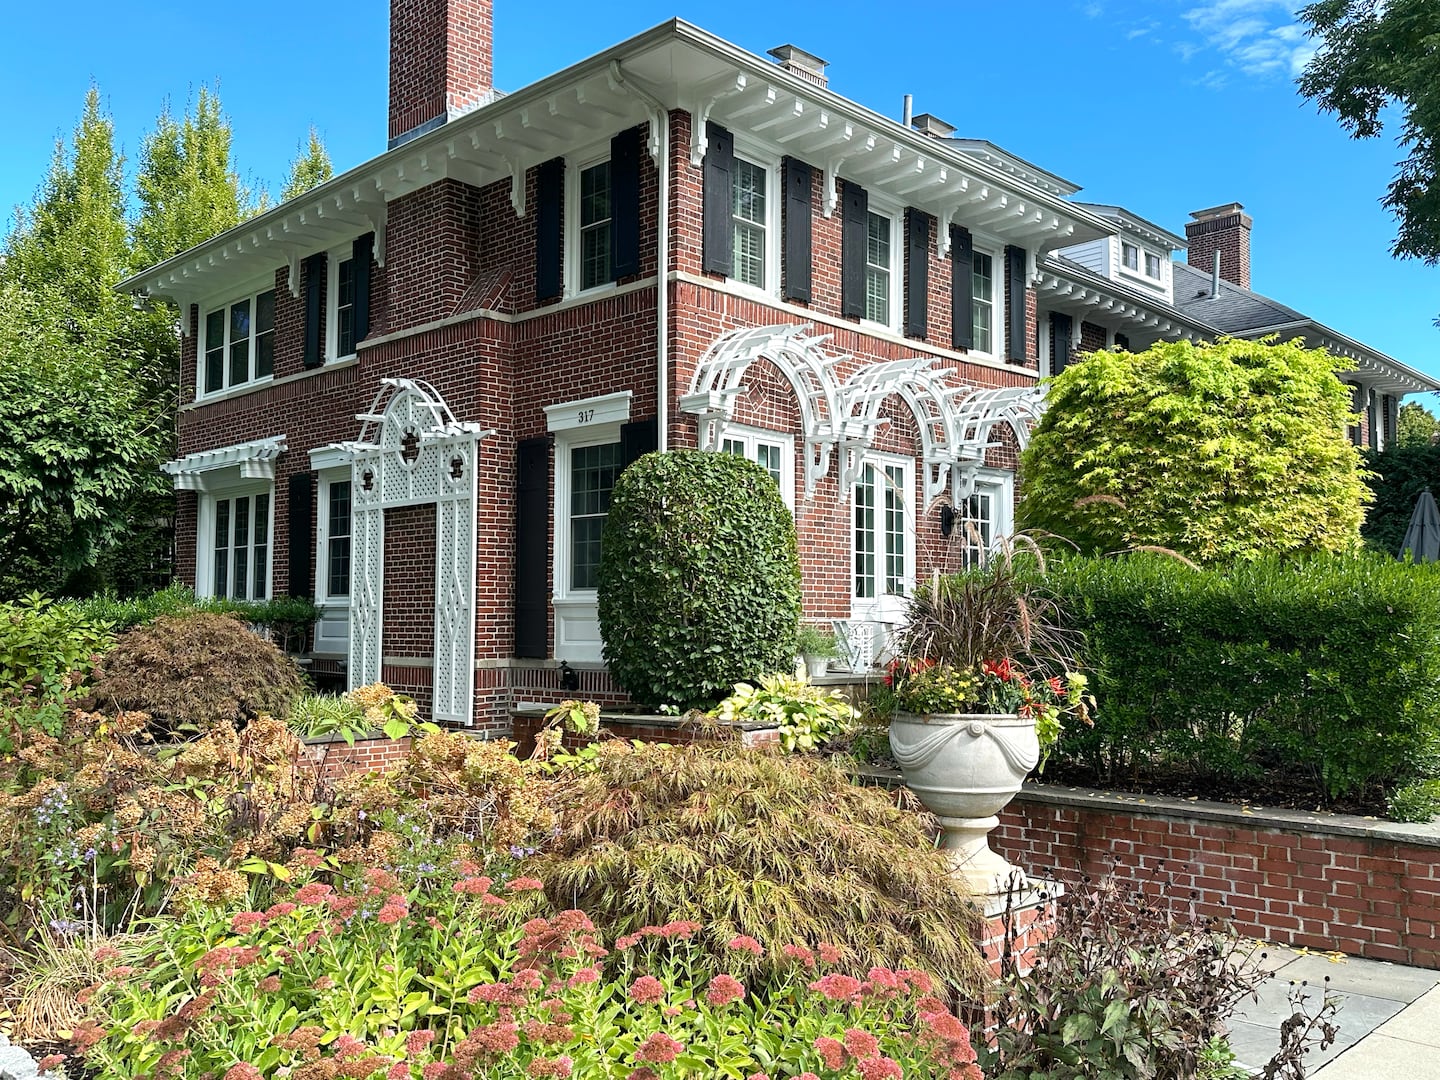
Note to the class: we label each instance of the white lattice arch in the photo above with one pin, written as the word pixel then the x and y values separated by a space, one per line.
pixel 720 381
pixel 955 421
pixel 412 451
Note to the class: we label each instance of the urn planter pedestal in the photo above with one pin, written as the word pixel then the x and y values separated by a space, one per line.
pixel 964 768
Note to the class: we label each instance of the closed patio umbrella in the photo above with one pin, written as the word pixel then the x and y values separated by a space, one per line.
pixel 1422 538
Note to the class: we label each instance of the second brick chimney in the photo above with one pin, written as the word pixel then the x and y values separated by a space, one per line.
pixel 1225 229
pixel 442 62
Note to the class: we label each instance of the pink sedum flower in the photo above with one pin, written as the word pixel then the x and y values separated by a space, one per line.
pixel 745 943
pixel 659 1049
pixel 646 990
pixel 723 990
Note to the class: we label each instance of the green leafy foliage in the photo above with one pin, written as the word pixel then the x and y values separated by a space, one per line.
pixel 817 641
pixel 1415 425
pixel 310 169
pixel 196 671
pixel 1417 801
pixel 807 716
pixel 699 583
pixel 447 967
pixel 1322 675
pixel 46 651
pixel 1125 987
pixel 1372 60
pixel 782 848
pixel 1398 474
pixel 1217 451
pixel 288 618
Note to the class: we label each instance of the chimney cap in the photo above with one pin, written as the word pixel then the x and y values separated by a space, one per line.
pixel 798 57
pixel 1224 210
pixel 932 125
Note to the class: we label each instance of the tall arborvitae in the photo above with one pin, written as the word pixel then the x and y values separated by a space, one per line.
pixel 310 169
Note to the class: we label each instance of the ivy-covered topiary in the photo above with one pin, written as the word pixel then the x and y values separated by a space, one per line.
pixel 699 583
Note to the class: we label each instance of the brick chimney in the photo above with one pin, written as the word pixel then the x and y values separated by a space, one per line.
pixel 442 62
pixel 1225 229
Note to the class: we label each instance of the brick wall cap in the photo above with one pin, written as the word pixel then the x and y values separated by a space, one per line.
pixel 360 740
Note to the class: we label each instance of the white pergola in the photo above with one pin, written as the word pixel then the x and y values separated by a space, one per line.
pixel 839 419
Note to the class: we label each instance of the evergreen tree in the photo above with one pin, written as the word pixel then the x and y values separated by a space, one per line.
pixel 310 169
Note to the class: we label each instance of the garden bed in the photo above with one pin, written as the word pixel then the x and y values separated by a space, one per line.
pixel 529 718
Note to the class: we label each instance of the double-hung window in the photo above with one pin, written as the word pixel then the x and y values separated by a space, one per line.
pixel 337 539
pixel 982 303
pixel 879 267
pixel 883 529
pixel 595 215
pixel 749 209
pixel 1152 265
pixel 593 471
pixel 238 343
pixel 1130 257
pixel 237 531
pixel 341 305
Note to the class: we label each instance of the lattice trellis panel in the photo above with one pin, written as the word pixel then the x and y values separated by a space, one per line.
pixel 411 453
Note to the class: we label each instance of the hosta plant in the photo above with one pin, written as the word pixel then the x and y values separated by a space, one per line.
pixel 806 715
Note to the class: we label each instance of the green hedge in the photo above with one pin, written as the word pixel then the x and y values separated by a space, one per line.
pixel 1325 670
pixel 288 617
pixel 1397 476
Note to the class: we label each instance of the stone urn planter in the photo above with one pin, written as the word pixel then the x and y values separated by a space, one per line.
pixel 964 767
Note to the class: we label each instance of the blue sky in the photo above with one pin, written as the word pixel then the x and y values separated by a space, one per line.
pixel 1163 107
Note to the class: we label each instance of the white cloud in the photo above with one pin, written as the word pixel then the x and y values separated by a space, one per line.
pixel 1092 10
pixel 1259 38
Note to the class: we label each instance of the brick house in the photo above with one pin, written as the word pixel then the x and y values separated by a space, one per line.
pixel 409 391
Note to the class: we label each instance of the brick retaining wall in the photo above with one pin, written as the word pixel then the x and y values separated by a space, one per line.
pixel 1319 881
pixel 335 758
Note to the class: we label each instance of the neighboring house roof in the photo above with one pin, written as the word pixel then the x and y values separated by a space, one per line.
pixel 1244 313
pixel 1136 224
pixel 1062 281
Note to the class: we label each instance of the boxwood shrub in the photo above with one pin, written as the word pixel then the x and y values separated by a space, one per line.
pixel 1324 670
pixel 699 584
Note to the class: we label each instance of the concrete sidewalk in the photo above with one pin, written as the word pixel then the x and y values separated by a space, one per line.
pixel 1389 1016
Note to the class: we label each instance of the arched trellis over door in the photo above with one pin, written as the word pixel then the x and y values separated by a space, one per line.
pixel 839 419
pixel 412 452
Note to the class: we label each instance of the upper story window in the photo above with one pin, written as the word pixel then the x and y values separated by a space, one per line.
pixel 340 330
pixel 879 268
pixel 238 343
pixel 749 209
pixel 1130 257
pixel 982 303
pixel 1152 265
pixel 595 215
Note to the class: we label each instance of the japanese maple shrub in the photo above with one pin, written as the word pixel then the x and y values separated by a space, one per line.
pixel 699 583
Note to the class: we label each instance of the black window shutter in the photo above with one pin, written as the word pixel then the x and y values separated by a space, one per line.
pixel 532 548
pixel 798 182
pixel 314 331
pixel 1372 417
pixel 854 238
pixel 637 438
pixel 361 252
pixel 301 531
pixel 625 203
pixel 1387 405
pixel 917 277
pixel 1061 327
pixel 1357 405
pixel 549 215
pixel 719 232
pixel 962 287
pixel 1015 274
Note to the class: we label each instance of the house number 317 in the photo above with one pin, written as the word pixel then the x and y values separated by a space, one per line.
pixel 586 415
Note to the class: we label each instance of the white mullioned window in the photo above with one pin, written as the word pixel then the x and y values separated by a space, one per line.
pixel 879 268
pixel 772 451
pixel 1152 265
pixel 237 343
pixel 595 212
pixel 884 529
pixel 235 545
pixel 593 472
pixel 750 214
pixel 340 305
pixel 1130 257
pixel 982 302
pixel 985 517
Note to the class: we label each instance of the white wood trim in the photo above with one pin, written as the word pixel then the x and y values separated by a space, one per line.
pixel 577 620
pixel 592 412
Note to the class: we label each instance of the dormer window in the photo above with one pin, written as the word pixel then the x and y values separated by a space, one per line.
pixel 1130 257
pixel 238 343
pixel 1152 266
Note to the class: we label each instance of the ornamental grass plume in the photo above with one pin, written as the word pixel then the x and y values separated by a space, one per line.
pixel 753 844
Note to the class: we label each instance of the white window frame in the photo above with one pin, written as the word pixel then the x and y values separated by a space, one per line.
pixel 576 424
pixel 576 163
pixel 255 290
pixel 751 438
pixel 753 153
pixel 205 534
pixel 1147 258
pixel 885 208
pixel 999 486
pixel 997 300
pixel 332 302
pixel 1125 247
pixel 874 607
